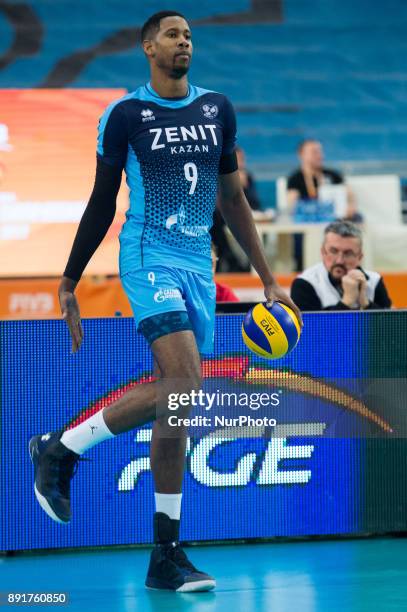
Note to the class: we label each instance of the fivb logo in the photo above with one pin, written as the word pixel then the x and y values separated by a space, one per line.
pixel 270 473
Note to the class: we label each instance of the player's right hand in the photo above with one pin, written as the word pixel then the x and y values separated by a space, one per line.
pixel 71 315
pixel 273 292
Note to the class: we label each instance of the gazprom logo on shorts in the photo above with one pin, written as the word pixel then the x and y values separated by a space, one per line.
pixel 167 294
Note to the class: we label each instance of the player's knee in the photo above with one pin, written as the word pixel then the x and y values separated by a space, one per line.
pixel 185 376
pixel 195 381
pixel 176 390
pixel 190 384
pixel 184 390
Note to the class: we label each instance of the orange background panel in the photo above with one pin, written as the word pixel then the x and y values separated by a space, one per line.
pixel 52 158
pixel 38 298
pixel 104 297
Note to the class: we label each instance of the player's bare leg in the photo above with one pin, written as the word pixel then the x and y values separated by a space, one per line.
pixel 169 567
pixel 180 369
pixel 55 456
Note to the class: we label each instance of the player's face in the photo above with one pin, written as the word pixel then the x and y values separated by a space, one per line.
pixel 340 255
pixel 171 49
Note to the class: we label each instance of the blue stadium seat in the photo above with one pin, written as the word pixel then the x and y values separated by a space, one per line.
pixel 332 70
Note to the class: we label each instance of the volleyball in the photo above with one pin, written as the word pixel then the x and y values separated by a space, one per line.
pixel 271 331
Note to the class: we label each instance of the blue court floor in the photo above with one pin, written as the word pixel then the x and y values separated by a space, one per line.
pixel 349 575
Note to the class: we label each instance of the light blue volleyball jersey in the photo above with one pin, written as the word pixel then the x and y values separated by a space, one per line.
pixel 170 150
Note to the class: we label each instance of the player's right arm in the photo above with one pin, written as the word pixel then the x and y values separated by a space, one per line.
pixel 98 215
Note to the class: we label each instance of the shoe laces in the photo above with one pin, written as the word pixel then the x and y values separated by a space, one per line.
pixel 64 470
pixel 178 556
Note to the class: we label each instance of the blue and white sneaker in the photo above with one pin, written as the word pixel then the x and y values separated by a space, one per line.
pixel 170 568
pixel 54 467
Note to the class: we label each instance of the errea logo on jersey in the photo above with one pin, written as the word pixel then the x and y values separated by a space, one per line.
pixel 147 115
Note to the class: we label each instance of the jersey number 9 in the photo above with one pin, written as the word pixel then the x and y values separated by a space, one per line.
pixel 191 174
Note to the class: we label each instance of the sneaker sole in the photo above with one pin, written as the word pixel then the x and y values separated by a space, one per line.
pixel 194 587
pixel 40 498
pixel 188 587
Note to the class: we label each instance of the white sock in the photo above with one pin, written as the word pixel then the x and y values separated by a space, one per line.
pixel 169 504
pixel 87 434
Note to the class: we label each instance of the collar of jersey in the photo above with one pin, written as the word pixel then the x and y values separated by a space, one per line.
pixel 149 95
pixel 152 91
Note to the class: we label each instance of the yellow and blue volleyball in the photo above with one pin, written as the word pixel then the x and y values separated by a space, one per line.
pixel 271 331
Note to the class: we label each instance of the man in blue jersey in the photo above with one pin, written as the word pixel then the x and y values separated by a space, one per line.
pixel 175 143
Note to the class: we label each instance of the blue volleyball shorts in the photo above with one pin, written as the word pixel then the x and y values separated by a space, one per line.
pixel 157 290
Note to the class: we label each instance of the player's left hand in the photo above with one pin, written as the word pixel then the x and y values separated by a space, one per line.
pixel 275 293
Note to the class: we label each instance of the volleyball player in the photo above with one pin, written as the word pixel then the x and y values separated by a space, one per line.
pixel 176 142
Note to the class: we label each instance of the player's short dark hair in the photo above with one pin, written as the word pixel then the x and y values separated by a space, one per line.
pixel 152 25
pixel 345 229
pixel 302 144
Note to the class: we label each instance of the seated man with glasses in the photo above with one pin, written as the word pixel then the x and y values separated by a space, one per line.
pixel 339 282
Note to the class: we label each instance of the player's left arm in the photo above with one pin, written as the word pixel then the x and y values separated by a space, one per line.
pixel 238 216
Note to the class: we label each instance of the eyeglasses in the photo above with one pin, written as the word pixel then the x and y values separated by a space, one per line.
pixel 349 254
